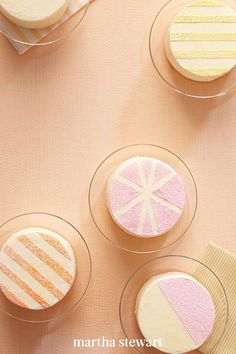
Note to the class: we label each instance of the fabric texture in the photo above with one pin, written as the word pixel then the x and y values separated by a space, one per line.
pixel 64 109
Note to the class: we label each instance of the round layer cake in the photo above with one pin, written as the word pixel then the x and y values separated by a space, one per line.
pixel 33 13
pixel 201 41
pixel 175 313
pixel 37 268
pixel 145 197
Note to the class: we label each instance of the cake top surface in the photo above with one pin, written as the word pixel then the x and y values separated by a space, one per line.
pixel 145 196
pixel 177 309
pixel 203 39
pixel 37 268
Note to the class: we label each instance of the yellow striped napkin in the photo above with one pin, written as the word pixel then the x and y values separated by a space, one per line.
pixel 35 36
pixel 223 264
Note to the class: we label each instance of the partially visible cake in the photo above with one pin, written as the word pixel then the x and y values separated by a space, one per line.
pixel 201 40
pixel 37 268
pixel 36 14
pixel 175 312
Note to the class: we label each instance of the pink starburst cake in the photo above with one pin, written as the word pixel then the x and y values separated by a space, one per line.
pixel 145 197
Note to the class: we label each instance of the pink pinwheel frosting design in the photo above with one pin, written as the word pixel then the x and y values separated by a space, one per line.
pixel 145 197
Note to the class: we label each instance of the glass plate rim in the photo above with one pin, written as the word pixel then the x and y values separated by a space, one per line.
pixel 90 191
pixel 90 267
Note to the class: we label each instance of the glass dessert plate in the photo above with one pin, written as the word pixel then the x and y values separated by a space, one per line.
pixel 165 264
pixel 101 215
pixel 83 263
pixel 203 90
pixel 56 35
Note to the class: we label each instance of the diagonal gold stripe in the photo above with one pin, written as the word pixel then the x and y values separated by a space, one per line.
pixel 23 286
pixel 38 252
pixel 12 297
pixel 205 19
pixel 33 272
pixel 175 37
pixel 56 244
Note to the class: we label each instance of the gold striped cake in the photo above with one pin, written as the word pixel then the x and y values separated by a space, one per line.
pixel 37 268
pixel 201 41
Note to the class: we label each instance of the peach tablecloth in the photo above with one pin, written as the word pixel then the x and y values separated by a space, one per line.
pixel 63 109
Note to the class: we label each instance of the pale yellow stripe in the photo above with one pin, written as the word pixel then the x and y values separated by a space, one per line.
pixel 175 37
pixel 223 264
pixel 199 54
pixel 208 71
pixel 206 3
pixel 205 19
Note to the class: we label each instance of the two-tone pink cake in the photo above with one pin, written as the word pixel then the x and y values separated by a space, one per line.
pixel 145 197
pixel 175 313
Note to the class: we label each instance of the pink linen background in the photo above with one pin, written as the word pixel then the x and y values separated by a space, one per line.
pixel 66 107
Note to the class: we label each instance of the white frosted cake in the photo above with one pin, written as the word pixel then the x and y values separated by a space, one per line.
pixel 201 40
pixel 145 197
pixel 37 268
pixel 35 14
pixel 175 312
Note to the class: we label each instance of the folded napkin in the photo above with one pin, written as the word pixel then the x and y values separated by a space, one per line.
pixel 34 36
pixel 223 264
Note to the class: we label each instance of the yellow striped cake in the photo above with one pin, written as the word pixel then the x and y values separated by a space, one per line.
pixel 201 41
pixel 37 268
